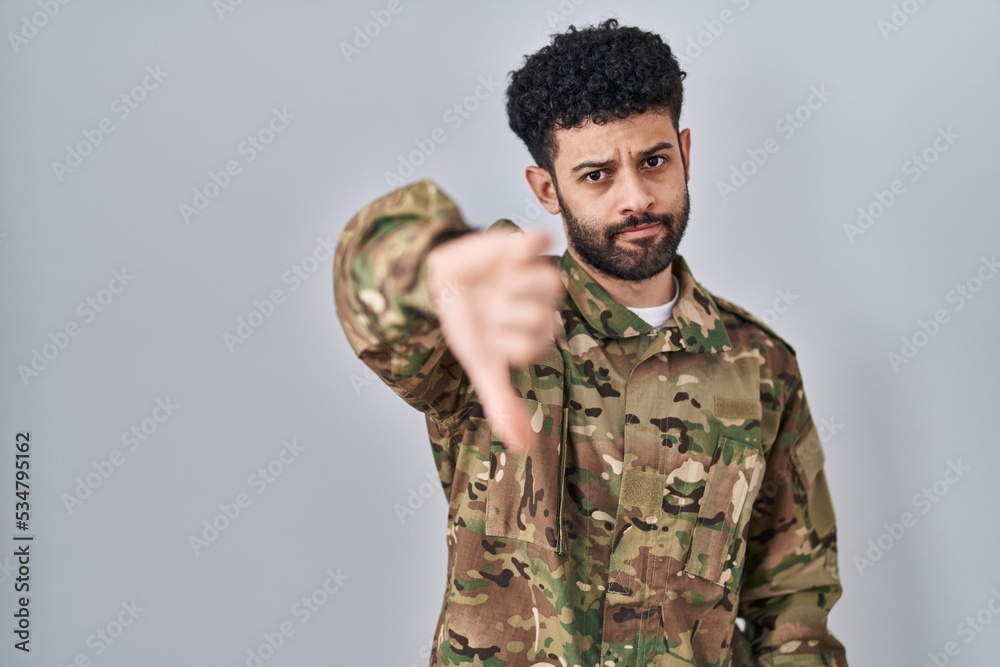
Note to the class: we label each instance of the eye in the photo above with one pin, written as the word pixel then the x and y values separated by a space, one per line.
pixel 588 176
pixel 655 157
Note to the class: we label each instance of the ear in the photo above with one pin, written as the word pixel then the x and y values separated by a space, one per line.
pixel 541 184
pixel 685 141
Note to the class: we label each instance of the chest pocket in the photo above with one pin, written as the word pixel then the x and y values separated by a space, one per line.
pixel 524 491
pixel 718 538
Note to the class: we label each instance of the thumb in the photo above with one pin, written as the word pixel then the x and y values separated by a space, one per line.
pixel 503 407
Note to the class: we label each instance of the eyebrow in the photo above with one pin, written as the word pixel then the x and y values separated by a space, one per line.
pixel 598 164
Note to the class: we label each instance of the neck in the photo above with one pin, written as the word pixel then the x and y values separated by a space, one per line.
pixel 654 291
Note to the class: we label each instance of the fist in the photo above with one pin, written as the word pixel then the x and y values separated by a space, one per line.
pixel 496 298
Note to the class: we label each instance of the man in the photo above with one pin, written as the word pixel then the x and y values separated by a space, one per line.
pixel 630 461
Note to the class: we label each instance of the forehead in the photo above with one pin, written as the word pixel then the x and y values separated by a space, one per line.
pixel 619 137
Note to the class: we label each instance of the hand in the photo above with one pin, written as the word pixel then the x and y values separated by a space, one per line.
pixel 496 298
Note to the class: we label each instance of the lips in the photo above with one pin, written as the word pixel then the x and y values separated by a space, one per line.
pixel 637 230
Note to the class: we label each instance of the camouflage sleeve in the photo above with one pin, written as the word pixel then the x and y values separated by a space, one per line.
pixel 791 580
pixel 382 299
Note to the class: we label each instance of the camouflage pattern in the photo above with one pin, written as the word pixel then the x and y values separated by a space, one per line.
pixel 678 483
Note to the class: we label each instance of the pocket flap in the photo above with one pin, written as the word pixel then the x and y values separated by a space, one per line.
pixel 524 490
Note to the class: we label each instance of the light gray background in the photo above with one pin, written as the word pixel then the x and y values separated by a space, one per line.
pixel 363 450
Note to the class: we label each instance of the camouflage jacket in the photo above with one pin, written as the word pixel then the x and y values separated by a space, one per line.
pixel 678 483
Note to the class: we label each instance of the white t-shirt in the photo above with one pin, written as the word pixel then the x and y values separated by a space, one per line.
pixel 657 316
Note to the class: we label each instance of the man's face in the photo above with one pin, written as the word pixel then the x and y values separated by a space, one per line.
pixel 622 189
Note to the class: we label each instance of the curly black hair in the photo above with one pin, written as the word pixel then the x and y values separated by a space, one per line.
pixel 597 72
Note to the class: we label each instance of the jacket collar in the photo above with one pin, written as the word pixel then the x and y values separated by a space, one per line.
pixel 696 314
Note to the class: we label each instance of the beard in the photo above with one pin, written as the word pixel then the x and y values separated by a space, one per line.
pixel 634 259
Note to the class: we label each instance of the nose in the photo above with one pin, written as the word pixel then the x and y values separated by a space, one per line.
pixel 636 197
